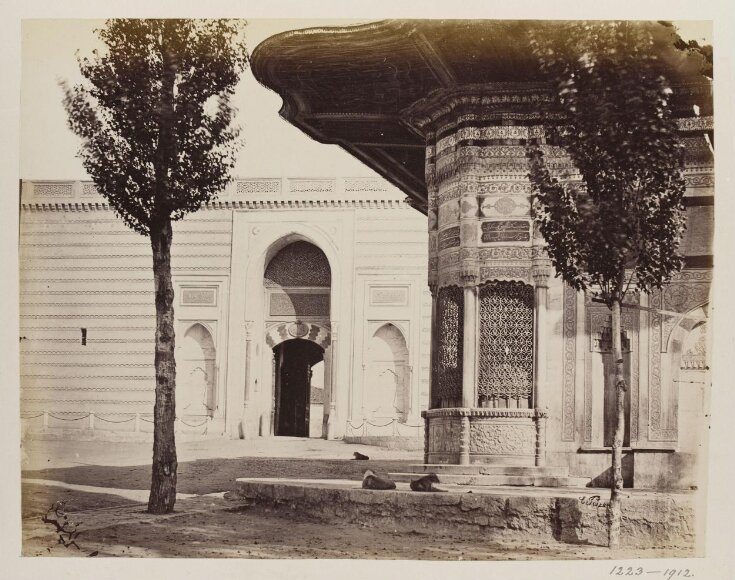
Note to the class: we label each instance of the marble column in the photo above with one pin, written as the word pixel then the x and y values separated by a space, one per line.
pixel 274 402
pixel 541 273
pixel 432 350
pixel 469 348
pixel 248 325
pixel 332 418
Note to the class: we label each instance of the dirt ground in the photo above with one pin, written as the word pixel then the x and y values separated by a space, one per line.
pixel 217 524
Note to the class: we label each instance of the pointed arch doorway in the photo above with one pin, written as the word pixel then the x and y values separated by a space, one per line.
pixel 297 284
pixel 295 362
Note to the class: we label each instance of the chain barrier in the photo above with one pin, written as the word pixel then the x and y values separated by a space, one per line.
pixel 62 419
pixel 397 425
pixel 200 424
pixel 98 417
pixel 111 421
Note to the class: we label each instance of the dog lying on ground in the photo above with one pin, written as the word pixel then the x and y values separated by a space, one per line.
pixel 426 483
pixel 372 481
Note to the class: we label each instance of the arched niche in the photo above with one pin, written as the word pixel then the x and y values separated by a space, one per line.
pixel 196 373
pixel 387 391
pixel 297 281
pixel 689 348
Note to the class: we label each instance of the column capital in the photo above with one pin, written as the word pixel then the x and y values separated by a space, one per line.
pixel 541 274
pixel 248 327
pixel 469 277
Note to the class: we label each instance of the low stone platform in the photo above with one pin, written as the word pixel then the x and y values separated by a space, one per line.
pixel 576 516
pixel 494 474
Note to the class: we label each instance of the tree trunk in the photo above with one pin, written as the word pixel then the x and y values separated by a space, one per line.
pixel 616 484
pixel 163 481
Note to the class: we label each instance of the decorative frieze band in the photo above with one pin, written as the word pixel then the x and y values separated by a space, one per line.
pixel 696 124
pixel 699 180
pixel 52 189
pixel 488 133
pixel 258 186
pixel 357 185
pixel 485 413
pixel 269 204
pixel 311 185
pixel 515 273
pixel 88 188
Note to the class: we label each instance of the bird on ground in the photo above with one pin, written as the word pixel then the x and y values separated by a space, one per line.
pixel 372 481
pixel 359 456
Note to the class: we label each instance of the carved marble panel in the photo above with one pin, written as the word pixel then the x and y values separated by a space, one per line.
pixel 468 206
pixel 506 231
pixel 656 430
pixel 495 437
pixel 198 296
pixel 569 324
pixel 52 189
pixel 355 185
pixel 444 434
pixel 389 295
pixel 508 272
pixel 501 206
pixel 505 253
pixel 448 214
pixel 298 304
pixel 258 186
pixel 449 238
pixel 680 297
pixel 688 290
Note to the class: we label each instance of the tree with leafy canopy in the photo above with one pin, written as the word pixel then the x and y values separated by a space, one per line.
pixel 159 140
pixel 620 225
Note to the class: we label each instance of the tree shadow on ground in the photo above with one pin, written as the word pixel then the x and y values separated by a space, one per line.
pixel 218 474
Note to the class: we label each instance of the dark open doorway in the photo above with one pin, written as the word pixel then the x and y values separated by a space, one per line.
pixel 294 361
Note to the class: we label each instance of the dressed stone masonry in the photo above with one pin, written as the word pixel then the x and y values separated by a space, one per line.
pixel 273 264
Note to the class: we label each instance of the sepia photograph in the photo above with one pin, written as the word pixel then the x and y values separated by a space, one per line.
pixel 398 289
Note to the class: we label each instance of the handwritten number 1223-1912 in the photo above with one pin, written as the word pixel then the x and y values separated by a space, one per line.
pixel 669 573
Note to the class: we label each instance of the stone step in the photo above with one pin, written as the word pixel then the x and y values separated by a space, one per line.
pixel 488 469
pixel 487 480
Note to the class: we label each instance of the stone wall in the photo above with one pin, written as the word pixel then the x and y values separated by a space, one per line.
pixel 88 319
pixel 648 521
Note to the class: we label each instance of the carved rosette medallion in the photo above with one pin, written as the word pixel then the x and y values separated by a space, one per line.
pixel 298 329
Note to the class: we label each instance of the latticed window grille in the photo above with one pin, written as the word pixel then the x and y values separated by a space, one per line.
pixel 299 264
pixel 506 345
pixel 446 390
